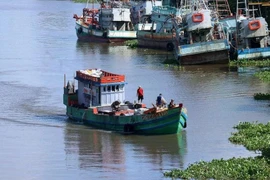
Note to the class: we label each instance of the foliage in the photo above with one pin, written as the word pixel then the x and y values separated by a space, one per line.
pixel 255 137
pixel 132 43
pixel 262 96
pixel 263 75
pixel 246 63
pixel 235 168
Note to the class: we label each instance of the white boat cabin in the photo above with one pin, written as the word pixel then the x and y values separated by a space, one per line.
pixel 99 88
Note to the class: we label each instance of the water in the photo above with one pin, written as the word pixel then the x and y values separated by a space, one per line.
pixel 39 46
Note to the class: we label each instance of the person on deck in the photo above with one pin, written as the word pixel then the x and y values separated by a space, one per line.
pixel 160 102
pixel 171 105
pixel 140 94
pixel 116 105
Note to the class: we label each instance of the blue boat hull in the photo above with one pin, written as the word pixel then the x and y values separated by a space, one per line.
pixel 216 51
pixel 254 53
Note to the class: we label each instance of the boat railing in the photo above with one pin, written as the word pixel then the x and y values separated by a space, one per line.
pixel 164 9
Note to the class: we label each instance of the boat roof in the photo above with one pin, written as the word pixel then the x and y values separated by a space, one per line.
pixel 99 76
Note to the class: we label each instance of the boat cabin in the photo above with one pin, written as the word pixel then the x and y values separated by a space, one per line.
pixel 99 88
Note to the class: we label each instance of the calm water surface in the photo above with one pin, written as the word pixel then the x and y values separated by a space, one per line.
pixel 39 45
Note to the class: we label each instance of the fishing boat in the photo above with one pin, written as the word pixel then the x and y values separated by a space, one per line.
pixel 141 11
pixel 201 38
pixel 252 33
pixel 99 101
pixel 108 23
pixel 157 33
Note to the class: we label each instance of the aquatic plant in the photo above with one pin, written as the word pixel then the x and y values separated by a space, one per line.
pixel 262 96
pixel 255 137
pixel 263 75
pixel 131 43
pixel 246 63
pixel 234 168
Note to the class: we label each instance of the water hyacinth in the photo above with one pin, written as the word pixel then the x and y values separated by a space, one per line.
pixel 234 168
pixel 246 63
pixel 262 96
pixel 131 43
pixel 263 75
pixel 255 137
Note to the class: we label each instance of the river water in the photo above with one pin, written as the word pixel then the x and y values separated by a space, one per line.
pixel 39 46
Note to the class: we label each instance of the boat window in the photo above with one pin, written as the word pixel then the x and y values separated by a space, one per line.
pixel 117 87
pixel 109 88
pixel 104 89
pixel 121 87
pixel 113 88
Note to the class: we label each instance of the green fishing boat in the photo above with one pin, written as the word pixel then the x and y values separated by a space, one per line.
pixel 99 101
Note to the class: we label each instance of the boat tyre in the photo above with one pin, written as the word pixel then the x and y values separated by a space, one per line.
pixel 128 128
pixel 80 30
pixel 170 46
pixel 185 124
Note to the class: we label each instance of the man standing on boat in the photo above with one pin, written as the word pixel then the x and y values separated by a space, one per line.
pixel 140 94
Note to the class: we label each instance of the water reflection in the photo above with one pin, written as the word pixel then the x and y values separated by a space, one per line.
pixel 161 149
pixel 107 151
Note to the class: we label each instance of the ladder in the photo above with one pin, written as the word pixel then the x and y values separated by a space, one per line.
pixel 253 8
pixel 242 8
pixel 222 7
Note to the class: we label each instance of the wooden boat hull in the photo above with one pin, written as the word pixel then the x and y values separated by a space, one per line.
pixel 155 40
pixel 166 122
pixel 216 51
pixel 254 53
pixel 91 34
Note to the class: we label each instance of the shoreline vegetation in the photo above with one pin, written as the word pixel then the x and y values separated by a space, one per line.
pixel 253 136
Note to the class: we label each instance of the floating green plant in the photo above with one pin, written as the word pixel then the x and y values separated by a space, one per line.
pixel 246 63
pixel 263 75
pixel 255 137
pixel 131 43
pixel 234 168
pixel 262 96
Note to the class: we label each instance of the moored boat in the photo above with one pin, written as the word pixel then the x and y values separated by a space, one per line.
pixel 98 102
pixel 201 40
pixel 252 33
pixel 157 33
pixel 109 23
